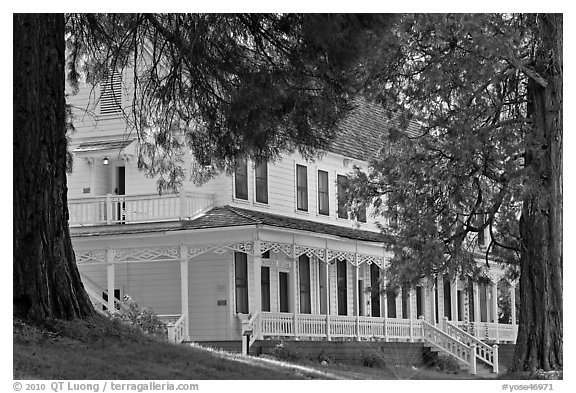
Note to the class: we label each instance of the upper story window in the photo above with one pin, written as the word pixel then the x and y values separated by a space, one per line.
pixel 301 188
pixel 262 183
pixel 111 94
pixel 241 179
pixel 323 196
pixel 342 199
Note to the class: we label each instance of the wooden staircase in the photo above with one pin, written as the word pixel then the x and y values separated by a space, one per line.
pixel 471 354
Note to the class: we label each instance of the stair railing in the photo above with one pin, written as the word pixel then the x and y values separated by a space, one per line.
pixel 449 344
pixel 488 354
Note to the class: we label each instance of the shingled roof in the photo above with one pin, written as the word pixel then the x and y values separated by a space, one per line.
pixel 229 216
pixel 363 133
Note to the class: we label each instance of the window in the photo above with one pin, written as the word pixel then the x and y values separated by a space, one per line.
pixel 419 309
pixel 111 94
pixel 241 277
pixel 283 291
pixel 391 303
pixel 265 287
pixel 301 188
pixel 304 270
pixel 342 199
pixel 262 183
pixel 241 179
pixel 342 287
pixel 375 289
pixel 323 198
pixel 323 288
pixel 405 301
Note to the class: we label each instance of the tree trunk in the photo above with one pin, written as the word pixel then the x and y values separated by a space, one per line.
pixel 539 343
pixel 46 282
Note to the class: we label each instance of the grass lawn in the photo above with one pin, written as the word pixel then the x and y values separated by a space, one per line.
pixel 102 349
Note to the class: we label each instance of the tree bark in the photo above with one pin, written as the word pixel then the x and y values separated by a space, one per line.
pixel 540 337
pixel 46 282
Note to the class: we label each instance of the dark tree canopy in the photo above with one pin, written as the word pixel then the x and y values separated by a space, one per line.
pixel 226 86
pixel 485 92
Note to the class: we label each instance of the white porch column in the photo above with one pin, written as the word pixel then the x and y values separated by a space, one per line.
pixel 256 298
pixel 440 290
pixel 454 299
pixel 110 275
pixel 294 281
pixel 476 302
pixel 433 290
pixel 184 288
pixel 412 301
pixel 357 298
pixel 513 303
pixel 399 303
pixel 494 301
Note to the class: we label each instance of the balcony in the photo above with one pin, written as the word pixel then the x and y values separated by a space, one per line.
pixel 126 209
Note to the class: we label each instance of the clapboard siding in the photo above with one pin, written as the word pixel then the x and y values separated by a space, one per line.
pixel 208 285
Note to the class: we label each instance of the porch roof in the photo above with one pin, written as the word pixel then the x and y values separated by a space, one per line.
pixel 103 145
pixel 229 216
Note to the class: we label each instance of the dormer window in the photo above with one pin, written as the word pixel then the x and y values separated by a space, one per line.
pixel 111 94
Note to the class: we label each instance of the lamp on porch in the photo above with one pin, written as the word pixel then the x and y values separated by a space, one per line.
pixel 105 161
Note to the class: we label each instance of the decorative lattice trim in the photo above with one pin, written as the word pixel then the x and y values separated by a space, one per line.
pixel 371 259
pixel 276 248
pixel 349 256
pixel 90 257
pixel 194 251
pixel 309 251
pixel 157 254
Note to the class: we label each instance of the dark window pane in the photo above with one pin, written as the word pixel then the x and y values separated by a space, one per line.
pixel 304 270
pixel 342 287
pixel 322 279
pixel 323 196
pixel 283 291
pixel 262 183
pixel 241 179
pixel 361 214
pixel 391 304
pixel 301 188
pixel 241 279
pixel 375 289
pixel 265 287
pixel 342 199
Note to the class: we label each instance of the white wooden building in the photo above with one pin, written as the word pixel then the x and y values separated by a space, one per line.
pixel 268 251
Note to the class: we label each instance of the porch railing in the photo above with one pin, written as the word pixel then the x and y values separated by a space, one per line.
pixel 176 325
pixel 335 326
pixel 490 331
pixel 120 209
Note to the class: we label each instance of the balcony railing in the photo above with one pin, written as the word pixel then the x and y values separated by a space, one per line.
pixel 124 209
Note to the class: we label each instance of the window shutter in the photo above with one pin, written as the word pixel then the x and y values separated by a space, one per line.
pixel 111 94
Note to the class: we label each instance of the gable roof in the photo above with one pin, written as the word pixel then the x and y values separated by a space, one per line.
pixel 364 132
pixel 229 216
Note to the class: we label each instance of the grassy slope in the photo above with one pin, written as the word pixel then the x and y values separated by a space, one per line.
pixel 101 349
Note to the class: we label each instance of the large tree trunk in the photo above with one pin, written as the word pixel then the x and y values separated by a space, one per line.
pixel 46 282
pixel 539 344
